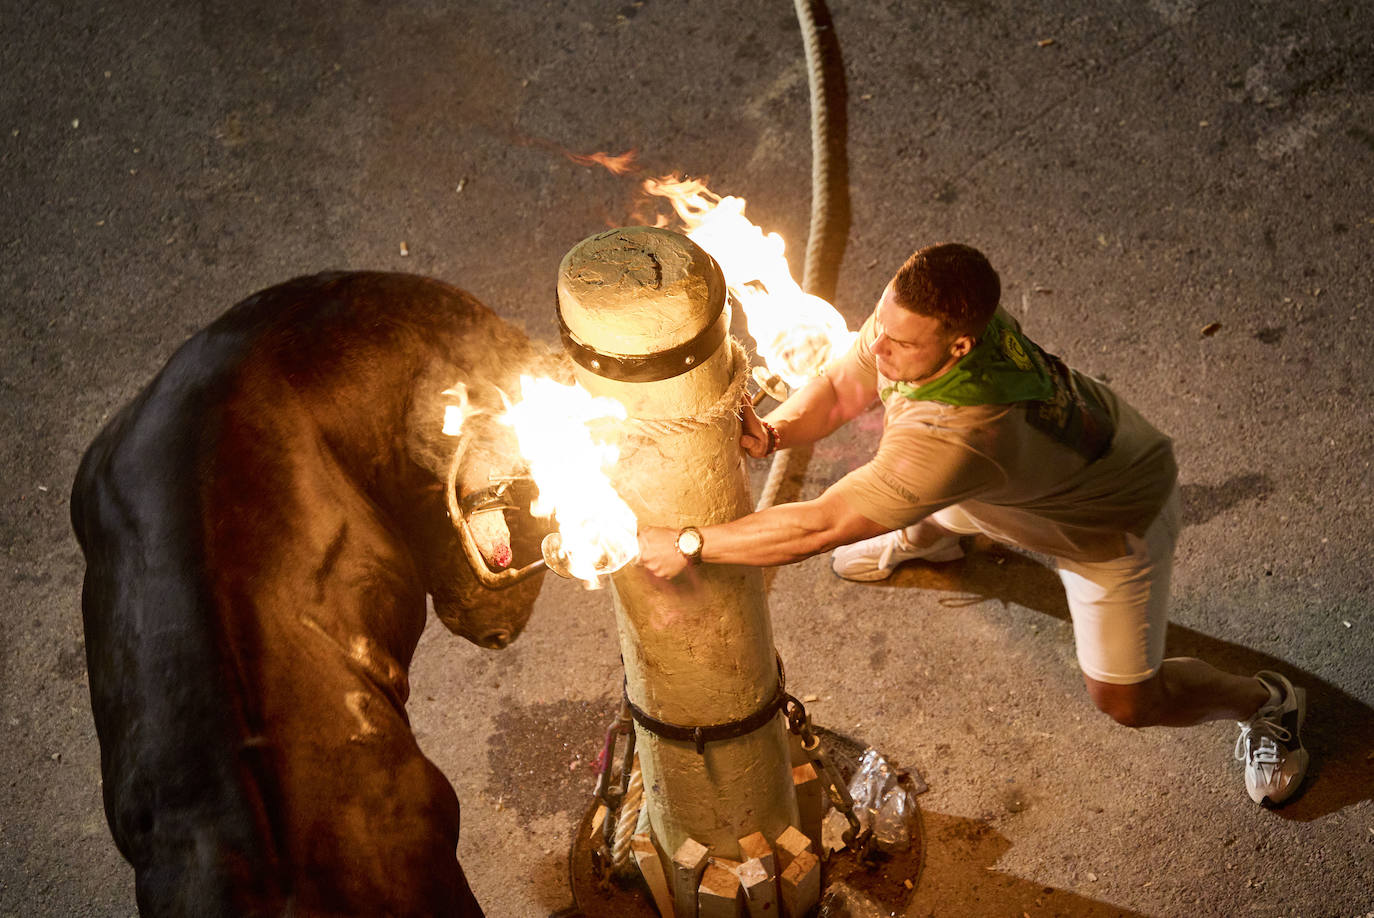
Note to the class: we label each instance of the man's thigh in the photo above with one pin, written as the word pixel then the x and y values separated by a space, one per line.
pixel 1120 607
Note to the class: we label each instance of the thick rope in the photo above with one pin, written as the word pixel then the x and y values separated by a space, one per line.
pixel 820 151
pixel 821 181
pixel 627 821
pixel 725 406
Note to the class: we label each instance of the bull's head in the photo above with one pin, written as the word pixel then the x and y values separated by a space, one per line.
pixel 478 546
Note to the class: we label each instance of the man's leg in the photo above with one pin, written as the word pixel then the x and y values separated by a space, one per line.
pixel 1120 613
pixel 1183 692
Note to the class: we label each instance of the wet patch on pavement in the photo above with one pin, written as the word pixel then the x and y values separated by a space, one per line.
pixel 541 758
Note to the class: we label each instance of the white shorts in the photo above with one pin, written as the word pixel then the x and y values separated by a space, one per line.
pixel 1120 607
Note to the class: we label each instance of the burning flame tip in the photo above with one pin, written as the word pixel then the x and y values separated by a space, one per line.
pixel 616 164
pixel 797 334
pixel 561 431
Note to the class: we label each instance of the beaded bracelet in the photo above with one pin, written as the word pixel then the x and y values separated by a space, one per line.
pixel 772 437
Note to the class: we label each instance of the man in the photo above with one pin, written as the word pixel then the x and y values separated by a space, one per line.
pixel 986 433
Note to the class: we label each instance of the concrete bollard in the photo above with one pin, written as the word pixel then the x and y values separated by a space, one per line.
pixel 644 318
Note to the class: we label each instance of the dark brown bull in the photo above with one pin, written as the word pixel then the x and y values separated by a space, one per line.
pixel 261 526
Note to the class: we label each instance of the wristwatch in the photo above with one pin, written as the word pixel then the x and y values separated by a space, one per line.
pixel 689 543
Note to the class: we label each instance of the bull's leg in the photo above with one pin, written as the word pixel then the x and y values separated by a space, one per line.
pixel 372 825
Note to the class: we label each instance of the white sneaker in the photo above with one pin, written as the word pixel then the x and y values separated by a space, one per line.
pixel 876 558
pixel 1270 743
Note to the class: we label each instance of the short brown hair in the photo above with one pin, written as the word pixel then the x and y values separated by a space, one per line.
pixel 950 282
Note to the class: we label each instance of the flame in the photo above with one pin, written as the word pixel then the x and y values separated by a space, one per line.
pixel 553 424
pixel 797 334
pixel 618 165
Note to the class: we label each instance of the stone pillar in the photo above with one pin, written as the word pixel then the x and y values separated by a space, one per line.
pixel 638 307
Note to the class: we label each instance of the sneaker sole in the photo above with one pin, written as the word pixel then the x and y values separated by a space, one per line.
pixel 866 577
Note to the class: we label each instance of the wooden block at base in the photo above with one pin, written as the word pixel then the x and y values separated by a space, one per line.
pixel 789 844
pixel 756 846
pixel 810 802
pixel 800 885
pixel 651 868
pixel 760 889
pixel 720 895
pixel 688 864
pixel 598 820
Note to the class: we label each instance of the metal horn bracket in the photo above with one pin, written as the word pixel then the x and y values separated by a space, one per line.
pixel 488 500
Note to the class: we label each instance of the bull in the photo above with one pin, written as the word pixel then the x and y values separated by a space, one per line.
pixel 261 526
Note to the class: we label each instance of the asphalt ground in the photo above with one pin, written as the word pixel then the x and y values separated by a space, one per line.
pixel 1138 172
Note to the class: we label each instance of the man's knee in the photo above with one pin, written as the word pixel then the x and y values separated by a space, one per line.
pixel 1135 705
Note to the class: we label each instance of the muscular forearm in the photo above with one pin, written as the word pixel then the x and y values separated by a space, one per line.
pixel 818 409
pixel 778 535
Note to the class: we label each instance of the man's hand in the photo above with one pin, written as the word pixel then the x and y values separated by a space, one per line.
pixel 753 438
pixel 658 552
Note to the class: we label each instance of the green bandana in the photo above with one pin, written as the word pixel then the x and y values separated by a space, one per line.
pixel 1004 367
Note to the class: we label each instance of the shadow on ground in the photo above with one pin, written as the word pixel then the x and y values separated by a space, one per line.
pixel 957 878
pixel 1339 728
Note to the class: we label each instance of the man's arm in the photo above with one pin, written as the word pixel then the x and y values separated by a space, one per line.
pixel 778 535
pixel 814 411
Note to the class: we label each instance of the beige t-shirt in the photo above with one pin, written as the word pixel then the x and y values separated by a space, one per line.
pixel 1018 483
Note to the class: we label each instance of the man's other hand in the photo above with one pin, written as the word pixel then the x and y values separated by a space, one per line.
pixel 658 552
pixel 753 438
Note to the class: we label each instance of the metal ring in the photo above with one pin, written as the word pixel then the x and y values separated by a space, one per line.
pixel 646 367
pixel 700 735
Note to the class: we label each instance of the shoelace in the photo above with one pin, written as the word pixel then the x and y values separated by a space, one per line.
pixel 1268 735
pixel 892 542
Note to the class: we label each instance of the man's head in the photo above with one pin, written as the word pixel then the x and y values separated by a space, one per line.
pixel 933 311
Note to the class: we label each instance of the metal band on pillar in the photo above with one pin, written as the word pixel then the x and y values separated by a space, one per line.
pixel 710 733
pixel 647 367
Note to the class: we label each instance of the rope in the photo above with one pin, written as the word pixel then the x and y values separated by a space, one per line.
pixel 820 152
pixel 725 406
pixel 627 820
pixel 821 182
pixel 777 474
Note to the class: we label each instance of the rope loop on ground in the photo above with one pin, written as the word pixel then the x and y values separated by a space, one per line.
pixel 822 191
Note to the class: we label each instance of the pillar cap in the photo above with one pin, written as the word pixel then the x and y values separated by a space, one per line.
pixel 639 291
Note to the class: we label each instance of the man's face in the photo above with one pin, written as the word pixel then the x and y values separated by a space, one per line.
pixel 914 348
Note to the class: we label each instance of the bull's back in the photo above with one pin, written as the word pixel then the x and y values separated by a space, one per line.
pixel 182 789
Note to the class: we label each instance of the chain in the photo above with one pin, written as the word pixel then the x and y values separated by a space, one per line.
pixel 610 851
pixel 799 723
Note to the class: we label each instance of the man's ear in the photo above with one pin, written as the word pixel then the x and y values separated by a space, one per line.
pixel 962 345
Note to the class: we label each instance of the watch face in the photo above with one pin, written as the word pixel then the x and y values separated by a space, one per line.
pixel 689 542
